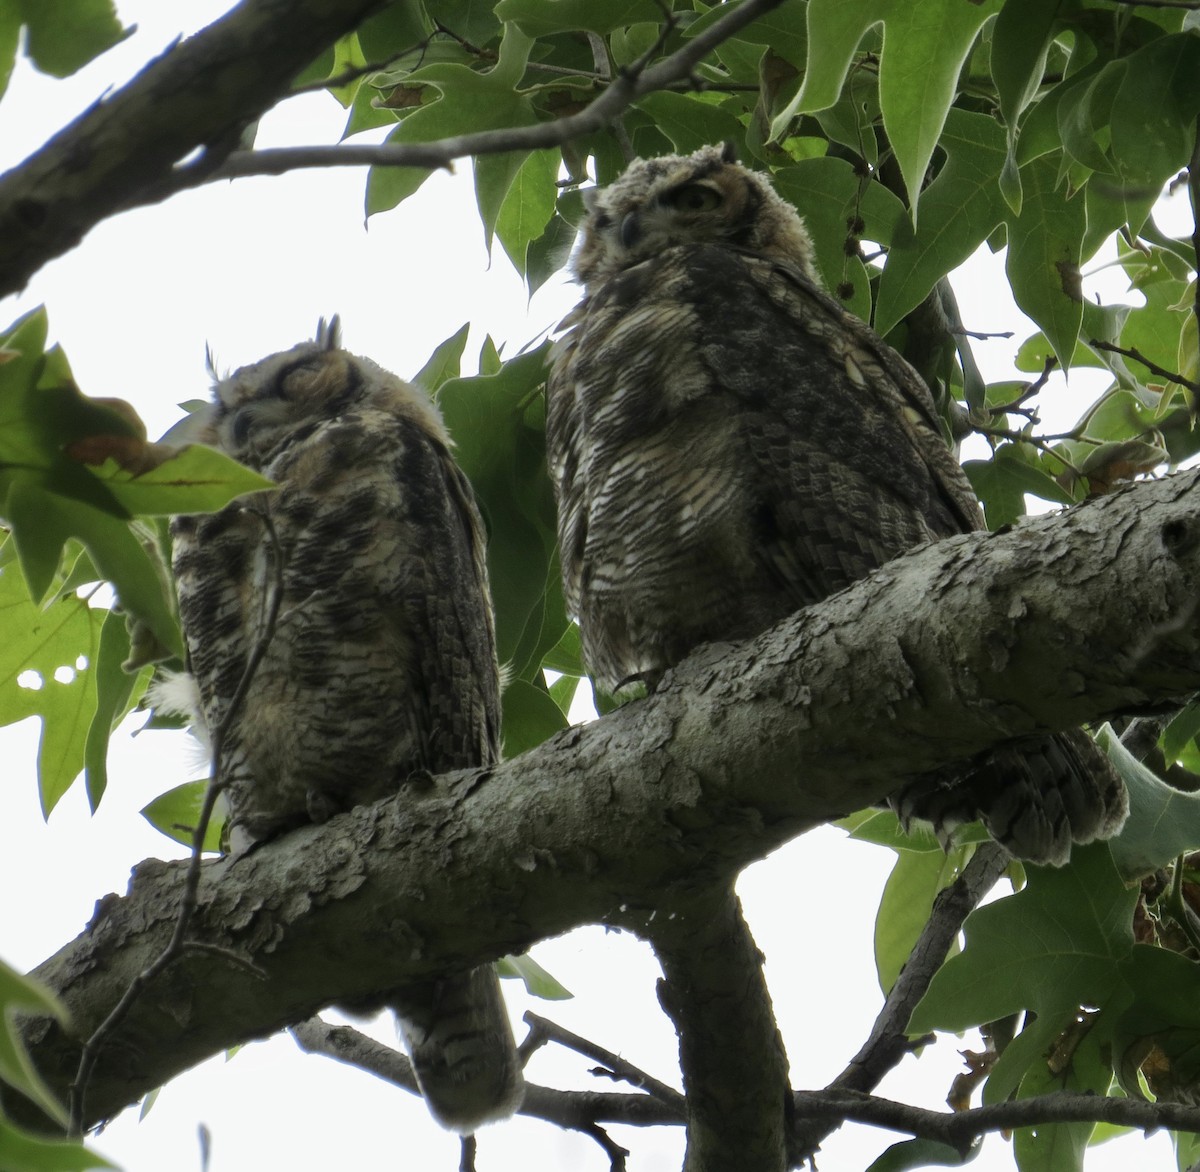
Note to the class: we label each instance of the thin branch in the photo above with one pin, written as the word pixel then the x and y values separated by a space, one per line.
pixel 1193 181
pixel 1148 363
pixel 613 1063
pixel 959 1129
pixel 626 88
pixel 189 900
pixel 574 1110
pixel 888 1042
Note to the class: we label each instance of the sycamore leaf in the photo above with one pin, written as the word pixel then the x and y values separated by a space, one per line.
pixel 924 47
pixel 1163 822
pixel 176 814
pixel 498 422
pixel 1056 945
pixel 19 993
pixel 539 982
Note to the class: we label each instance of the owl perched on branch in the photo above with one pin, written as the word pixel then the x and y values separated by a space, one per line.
pixel 728 445
pixel 380 665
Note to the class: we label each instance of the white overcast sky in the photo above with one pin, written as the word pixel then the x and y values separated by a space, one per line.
pixel 248 269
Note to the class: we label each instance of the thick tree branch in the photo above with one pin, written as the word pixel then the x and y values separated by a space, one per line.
pixel 941 654
pixel 197 96
pixel 735 1068
pixel 127 150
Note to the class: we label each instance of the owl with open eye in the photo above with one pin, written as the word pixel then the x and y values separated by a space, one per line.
pixel 381 664
pixel 728 445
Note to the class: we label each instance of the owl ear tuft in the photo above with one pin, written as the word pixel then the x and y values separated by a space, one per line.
pixel 729 152
pixel 329 333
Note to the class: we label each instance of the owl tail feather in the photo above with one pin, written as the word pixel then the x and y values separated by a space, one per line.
pixel 1036 797
pixel 456 1032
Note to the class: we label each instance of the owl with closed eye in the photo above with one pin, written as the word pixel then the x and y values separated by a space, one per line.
pixel 380 665
pixel 728 445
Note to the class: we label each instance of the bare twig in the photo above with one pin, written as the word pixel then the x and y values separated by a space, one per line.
pixel 626 87
pixel 613 1064
pixel 959 1129
pixel 1193 181
pixel 1148 363
pixel 613 1150
pixel 189 901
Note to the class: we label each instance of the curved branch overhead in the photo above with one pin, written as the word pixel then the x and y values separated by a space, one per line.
pixel 941 654
pixel 127 149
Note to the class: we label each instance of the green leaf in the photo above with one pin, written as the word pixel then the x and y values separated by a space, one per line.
pixel 1163 822
pixel 959 210
pixel 469 101
pixel 541 18
pixel 904 909
pixel 1060 1147
pixel 530 717
pixel 401 25
pixel 498 422
pixel 1021 39
pixel 691 121
pixel 1052 947
pixel 43 523
pixel 782 29
pixel 882 827
pixel 1044 246
pixel 64 35
pixel 1154 109
pixel 444 363
pixel 538 982
pixel 528 205
pixel 115 696
pixel 176 814
pixel 830 195
pixel 567 654
pixel 18 993
pixel 22 1152
pixel 922 1153
pixel 43 673
pixel 10 38
pixel 196 479
pixel 924 47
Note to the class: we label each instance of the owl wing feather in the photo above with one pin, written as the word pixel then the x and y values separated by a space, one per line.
pixel 382 661
pixel 730 446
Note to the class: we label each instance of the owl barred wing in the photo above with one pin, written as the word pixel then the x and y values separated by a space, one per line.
pixel 729 445
pixel 855 471
pixel 382 662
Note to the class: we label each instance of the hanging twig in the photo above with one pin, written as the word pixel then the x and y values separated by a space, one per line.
pixel 188 903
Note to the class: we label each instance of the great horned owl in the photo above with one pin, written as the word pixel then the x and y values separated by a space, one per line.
pixel 728 445
pixel 382 663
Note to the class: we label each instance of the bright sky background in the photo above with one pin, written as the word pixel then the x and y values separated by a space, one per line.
pixel 249 268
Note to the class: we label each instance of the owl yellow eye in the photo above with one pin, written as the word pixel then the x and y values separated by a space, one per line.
pixel 694 197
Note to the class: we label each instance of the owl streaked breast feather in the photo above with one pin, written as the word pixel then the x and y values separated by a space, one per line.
pixel 729 445
pixel 381 665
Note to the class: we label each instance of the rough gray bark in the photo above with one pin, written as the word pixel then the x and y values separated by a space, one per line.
pixel 941 654
pixel 127 150
pixel 198 95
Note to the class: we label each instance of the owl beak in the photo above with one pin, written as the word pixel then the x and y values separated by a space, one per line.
pixel 631 230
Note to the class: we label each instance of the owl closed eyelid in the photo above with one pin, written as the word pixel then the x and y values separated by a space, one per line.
pixel 728 445
pixel 382 661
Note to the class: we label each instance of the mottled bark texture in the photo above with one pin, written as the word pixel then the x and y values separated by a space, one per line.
pixel 938 656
